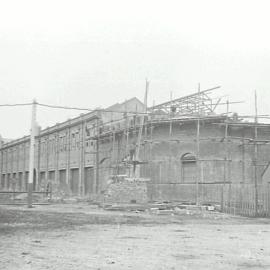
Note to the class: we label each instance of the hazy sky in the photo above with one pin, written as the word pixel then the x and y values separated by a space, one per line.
pixel 96 53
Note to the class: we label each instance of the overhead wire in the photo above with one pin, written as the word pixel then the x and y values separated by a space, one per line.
pixel 91 110
pixel 87 109
pixel 107 110
pixel 16 104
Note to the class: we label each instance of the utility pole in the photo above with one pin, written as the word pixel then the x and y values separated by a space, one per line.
pixel 32 153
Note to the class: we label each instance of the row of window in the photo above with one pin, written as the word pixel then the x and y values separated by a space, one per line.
pixel 51 144
pixel 15 154
pixel 135 120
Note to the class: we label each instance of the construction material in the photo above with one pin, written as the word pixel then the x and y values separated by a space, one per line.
pixel 189 104
pixel 126 190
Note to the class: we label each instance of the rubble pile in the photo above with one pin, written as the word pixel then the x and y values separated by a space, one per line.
pixel 126 190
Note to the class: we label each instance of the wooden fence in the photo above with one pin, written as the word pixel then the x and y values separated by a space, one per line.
pixel 237 199
pixel 242 199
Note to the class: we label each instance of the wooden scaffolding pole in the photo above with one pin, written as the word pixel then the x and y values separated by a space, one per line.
pixel 169 168
pixel 226 160
pixel 171 112
pixel 198 152
pixel 137 153
pixel 126 129
pixel 97 156
pixel 256 154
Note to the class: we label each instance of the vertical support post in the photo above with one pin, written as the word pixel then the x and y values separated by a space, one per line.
pixel 127 142
pixel 47 159
pixel 198 150
pixel 97 158
pixel 198 161
pixel 150 164
pixel 1 170
pixel 113 152
pixel 225 178
pixel 126 129
pixel 268 199
pixel 137 154
pixel 31 154
pixel 118 153
pixel 11 170
pixel 57 177
pixel 169 169
pixel 256 155
pixel 38 165
pixel 171 114
pixel 146 149
pixel 68 150
pixel 243 161
pixel 222 199
pixel 18 162
pixel 242 185
pixel 81 157
pixel 24 169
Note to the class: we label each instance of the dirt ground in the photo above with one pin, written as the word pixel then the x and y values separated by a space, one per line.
pixel 82 236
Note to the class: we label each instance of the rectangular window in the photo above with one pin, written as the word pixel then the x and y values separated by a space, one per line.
pixel 77 139
pixel 63 143
pixel 60 143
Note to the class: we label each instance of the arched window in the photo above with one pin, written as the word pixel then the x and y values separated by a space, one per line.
pixel 188 157
pixel 189 168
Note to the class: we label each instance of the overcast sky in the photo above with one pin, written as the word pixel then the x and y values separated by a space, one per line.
pixel 96 53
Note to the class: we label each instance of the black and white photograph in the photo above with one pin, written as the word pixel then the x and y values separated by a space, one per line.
pixel 134 135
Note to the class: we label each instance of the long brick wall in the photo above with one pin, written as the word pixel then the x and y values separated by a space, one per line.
pixel 67 156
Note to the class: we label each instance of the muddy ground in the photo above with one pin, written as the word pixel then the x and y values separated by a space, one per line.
pixel 82 236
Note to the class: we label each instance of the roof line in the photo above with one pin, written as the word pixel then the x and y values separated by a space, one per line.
pixel 184 97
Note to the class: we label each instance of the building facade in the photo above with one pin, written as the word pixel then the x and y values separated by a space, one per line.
pixel 65 154
pixel 183 156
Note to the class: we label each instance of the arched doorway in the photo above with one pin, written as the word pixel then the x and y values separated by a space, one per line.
pixel 189 168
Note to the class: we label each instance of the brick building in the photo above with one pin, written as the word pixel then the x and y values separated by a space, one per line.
pixel 183 155
pixel 65 153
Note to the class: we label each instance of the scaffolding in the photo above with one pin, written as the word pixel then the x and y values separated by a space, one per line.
pixel 198 108
pixel 199 103
pixel 136 127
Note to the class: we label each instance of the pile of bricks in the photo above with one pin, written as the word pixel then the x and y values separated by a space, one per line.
pixel 126 190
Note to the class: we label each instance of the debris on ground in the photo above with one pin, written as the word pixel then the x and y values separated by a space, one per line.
pixel 161 208
pixel 50 236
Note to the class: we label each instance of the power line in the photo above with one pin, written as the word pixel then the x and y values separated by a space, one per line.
pixel 114 111
pixel 99 109
pixel 87 109
pixel 66 107
pixel 69 108
pixel 106 110
pixel 16 104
